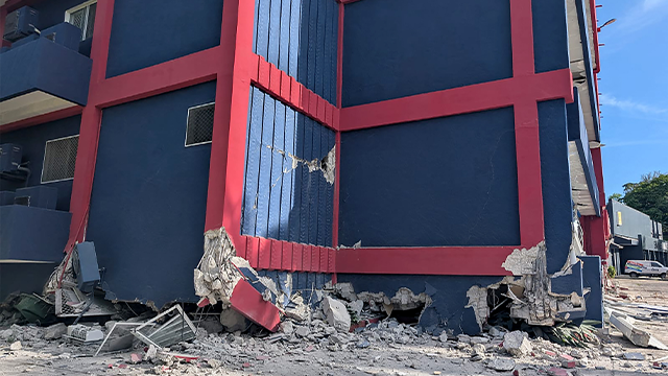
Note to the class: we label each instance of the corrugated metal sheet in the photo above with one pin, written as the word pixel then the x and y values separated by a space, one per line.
pixel 286 194
pixel 300 38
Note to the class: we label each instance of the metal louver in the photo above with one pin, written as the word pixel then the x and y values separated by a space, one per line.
pixel 200 124
pixel 60 156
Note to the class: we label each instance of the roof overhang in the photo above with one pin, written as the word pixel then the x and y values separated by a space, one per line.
pixel 582 61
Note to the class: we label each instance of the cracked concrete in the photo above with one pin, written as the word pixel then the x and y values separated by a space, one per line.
pixel 326 165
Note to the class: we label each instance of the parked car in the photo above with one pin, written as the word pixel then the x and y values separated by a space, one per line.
pixel 636 268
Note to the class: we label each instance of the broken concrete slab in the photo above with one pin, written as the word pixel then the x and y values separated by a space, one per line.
pixel 233 321
pixel 55 331
pixel 337 314
pixel 516 343
pixel 634 334
pixel 501 364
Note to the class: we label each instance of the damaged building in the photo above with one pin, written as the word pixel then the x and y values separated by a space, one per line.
pixel 436 157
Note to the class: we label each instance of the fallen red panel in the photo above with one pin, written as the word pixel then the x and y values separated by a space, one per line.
pixel 248 301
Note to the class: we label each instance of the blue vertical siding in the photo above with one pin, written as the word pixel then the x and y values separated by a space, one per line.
pixel 300 38
pixel 284 198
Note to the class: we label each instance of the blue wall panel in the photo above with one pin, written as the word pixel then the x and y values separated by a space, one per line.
pixel 300 38
pixel 146 33
pixel 550 35
pixel 448 295
pixel 286 196
pixel 439 182
pixel 33 140
pixel 149 198
pixel 556 181
pixel 451 44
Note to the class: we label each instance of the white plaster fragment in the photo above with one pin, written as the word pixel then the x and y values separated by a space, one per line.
pixel 478 301
pixel 523 261
pixel 216 275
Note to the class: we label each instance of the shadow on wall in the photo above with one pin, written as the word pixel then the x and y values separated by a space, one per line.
pixel 289 177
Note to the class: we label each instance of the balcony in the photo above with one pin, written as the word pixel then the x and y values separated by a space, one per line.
pixel 44 73
pixel 584 188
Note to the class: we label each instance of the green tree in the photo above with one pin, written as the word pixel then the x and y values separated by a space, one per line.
pixel 616 196
pixel 650 196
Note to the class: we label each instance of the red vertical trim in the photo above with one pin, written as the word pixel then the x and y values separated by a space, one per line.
pixel 228 147
pixel 529 183
pixel 339 58
pixel 530 192
pixel 297 256
pixel 337 180
pixel 3 17
pixel 522 37
pixel 91 119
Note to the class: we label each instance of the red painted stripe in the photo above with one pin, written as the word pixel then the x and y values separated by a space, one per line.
pixel 276 254
pixel 285 85
pixel 264 261
pixel 172 75
pixel 253 251
pixel 286 263
pixel 466 99
pixel 306 256
pixel 297 256
pixel 324 260
pixel 45 118
pixel 315 258
pixel 274 80
pixel 289 91
pixel 331 267
pixel 431 261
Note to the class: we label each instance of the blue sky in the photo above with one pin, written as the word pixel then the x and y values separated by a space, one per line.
pixel 634 90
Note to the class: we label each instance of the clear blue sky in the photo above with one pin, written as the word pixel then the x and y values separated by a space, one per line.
pixel 634 90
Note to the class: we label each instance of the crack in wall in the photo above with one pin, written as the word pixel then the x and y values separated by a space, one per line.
pixel 326 165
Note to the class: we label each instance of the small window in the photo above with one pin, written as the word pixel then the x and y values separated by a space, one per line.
pixel 83 17
pixel 656 265
pixel 60 156
pixel 200 124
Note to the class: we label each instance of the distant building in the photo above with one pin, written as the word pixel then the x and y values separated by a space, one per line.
pixel 437 145
pixel 634 236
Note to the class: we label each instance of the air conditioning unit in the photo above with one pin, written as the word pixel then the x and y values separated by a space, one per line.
pixel 37 197
pixel 10 157
pixel 20 23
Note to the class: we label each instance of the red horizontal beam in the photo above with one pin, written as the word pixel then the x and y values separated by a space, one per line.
pixel 272 254
pixel 461 100
pixel 172 75
pixel 291 92
pixel 429 260
pixel 51 116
